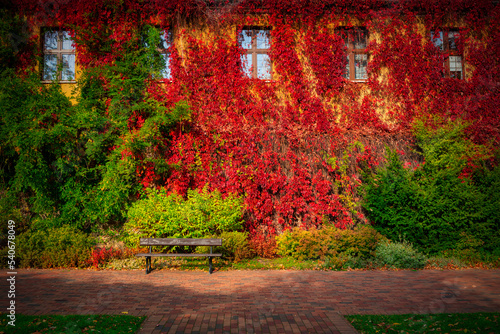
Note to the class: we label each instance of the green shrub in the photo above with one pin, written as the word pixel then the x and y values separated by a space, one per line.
pixel 235 246
pixel 202 214
pixel 53 248
pixel 470 250
pixel 432 205
pixel 328 242
pixel 445 262
pixel 358 262
pixel 335 262
pixel 400 255
pixel 291 243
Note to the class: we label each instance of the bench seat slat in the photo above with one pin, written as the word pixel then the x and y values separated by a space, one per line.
pixel 177 255
pixel 179 242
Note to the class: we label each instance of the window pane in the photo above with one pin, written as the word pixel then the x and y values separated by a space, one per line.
pixel 455 67
pixel 262 37
pixel 263 66
pixel 166 40
pixel 165 72
pixel 49 67
pixel 453 37
pixel 360 62
pixel 246 39
pixel 67 42
pixel 246 65
pixel 360 38
pixel 437 39
pixel 344 34
pixel 50 42
pixel 347 68
pixel 68 67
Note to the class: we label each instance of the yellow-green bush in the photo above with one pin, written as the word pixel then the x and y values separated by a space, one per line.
pixel 202 214
pixel 327 242
pixel 235 246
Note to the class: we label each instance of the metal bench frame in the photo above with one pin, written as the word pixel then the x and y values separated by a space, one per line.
pixel 178 242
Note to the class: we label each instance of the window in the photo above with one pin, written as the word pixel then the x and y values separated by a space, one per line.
pixel 256 63
pixel 447 42
pixel 58 56
pixel 163 48
pixel 355 40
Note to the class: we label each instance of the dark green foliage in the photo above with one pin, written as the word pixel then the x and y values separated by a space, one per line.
pixel 433 205
pixel 54 247
pixel 13 39
pixel 79 164
pixel 33 136
pixel 328 242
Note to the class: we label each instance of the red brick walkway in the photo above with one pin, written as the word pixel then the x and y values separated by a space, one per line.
pixel 252 301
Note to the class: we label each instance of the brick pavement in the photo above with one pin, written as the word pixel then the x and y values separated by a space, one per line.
pixel 252 301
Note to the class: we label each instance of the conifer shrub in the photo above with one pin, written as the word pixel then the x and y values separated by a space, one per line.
pixel 328 241
pixel 455 191
pixel 200 215
pixel 55 247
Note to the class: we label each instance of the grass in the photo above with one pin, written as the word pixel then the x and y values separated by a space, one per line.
pixel 71 324
pixel 427 323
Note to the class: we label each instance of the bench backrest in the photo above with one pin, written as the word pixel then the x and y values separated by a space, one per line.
pixel 179 242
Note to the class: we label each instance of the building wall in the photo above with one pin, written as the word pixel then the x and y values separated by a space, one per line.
pixel 295 145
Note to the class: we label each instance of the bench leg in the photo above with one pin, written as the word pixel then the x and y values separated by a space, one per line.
pixel 210 269
pixel 148 264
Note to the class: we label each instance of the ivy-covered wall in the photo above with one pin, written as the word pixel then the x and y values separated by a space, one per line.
pixel 295 147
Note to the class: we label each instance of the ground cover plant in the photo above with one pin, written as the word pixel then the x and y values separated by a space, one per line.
pixel 72 324
pixel 412 149
pixel 427 323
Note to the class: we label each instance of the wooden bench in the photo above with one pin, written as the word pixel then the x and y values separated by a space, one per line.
pixel 178 242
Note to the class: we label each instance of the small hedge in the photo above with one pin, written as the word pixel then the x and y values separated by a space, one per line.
pixel 235 246
pixel 399 255
pixel 202 214
pixel 53 248
pixel 328 242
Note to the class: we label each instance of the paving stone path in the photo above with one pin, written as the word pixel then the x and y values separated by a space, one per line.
pixel 252 301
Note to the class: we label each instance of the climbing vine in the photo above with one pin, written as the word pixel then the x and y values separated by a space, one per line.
pixel 274 142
